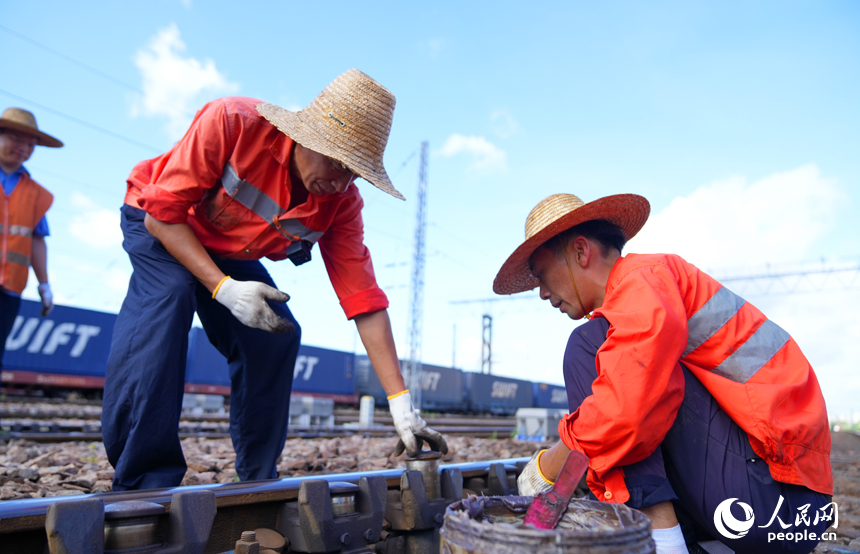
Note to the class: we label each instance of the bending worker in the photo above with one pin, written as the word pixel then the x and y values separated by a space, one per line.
pixel 248 180
pixel 23 226
pixel 690 404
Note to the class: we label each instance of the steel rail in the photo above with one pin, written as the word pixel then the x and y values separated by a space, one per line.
pixel 29 514
pixel 11 416
pixel 295 433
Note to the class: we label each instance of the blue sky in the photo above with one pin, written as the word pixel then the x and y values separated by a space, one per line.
pixel 738 122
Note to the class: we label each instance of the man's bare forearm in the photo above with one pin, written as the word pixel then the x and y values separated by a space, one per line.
pixel 183 244
pixel 375 331
pixel 39 259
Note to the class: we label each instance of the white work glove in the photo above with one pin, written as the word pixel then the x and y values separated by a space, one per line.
pixel 247 301
pixel 412 429
pixel 47 298
pixel 531 481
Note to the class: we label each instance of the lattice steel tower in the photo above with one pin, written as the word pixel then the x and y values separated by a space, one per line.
pixel 413 374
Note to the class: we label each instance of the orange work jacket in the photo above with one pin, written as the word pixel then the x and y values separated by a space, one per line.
pixel 228 178
pixel 661 311
pixel 20 213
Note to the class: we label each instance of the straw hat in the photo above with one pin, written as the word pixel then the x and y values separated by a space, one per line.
pixel 558 213
pixel 24 121
pixel 349 121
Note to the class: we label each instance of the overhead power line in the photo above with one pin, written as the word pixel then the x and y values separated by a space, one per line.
pixel 84 123
pixel 69 59
pixel 811 279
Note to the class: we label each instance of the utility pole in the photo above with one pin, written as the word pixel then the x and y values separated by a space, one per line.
pixel 413 374
pixel 454 347
pixel 487 345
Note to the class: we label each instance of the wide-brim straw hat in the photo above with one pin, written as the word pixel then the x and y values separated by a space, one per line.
pixel 24 121
pixel 557 213
pixel 349 121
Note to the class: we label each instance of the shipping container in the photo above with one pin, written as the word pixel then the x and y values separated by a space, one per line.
pixel 206 370
pixel 318 371
pixel 497 395
pixel 549 396
pixel 328 373
pixel 442 388
pixel 69 348
pixel 367 383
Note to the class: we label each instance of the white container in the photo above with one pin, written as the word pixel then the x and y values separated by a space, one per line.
pixel 538 424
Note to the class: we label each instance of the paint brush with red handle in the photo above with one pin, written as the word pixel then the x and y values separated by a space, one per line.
pixel 547 507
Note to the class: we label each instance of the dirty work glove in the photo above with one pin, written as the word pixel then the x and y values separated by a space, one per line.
pixel 47 298
pixel 247 301
pixel 531 481
pixel 412 429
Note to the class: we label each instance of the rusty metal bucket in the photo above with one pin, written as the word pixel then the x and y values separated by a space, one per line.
pixel 494 525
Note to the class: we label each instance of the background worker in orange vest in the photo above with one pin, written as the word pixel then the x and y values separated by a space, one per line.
pixel 23 226
pixel 689 402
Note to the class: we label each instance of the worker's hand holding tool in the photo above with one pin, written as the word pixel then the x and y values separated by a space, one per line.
pixel 547 507
pixel 412 429
pixel 531 481
pixel 247 301
pixel 47 298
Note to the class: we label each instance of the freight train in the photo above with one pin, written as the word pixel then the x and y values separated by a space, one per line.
pixel 67 351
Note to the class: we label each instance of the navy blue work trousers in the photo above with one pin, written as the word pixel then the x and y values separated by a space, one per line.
pixel 9 306
pixel 145 375
pixel 705 460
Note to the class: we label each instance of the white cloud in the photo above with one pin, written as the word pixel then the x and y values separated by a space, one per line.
pixel 186 3
pixel 485 155
pixel 94 225
pixel 175 86
pixel 733 223
pixel 504 123
pixel 433 47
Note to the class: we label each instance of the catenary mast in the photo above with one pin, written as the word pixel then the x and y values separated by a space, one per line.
pixel 413 374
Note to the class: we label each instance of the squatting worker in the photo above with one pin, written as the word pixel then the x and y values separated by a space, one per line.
pixel 683 395
pixel 23 226
pixel 248 180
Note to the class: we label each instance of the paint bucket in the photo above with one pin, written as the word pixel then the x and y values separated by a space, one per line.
pixel 485 525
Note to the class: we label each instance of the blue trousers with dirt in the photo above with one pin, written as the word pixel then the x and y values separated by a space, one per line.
pixel 145 375
pixel 704 461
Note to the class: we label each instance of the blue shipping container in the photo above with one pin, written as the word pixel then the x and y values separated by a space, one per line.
pixel 550 396
pixel 441 387
pixel 70 341
pixel 324 371
pixel 317 370
pixel 498 395
pixel 205 365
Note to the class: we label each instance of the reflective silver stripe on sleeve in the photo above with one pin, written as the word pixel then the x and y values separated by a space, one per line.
pixel 754 353
pixel 19 259
pixel 711 317
pixel 262 204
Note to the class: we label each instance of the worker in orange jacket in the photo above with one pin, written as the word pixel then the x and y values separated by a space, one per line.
pixel 23 226
pixel 689 402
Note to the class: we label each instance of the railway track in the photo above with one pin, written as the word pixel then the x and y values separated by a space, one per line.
pixel 385 512
pixel 78 426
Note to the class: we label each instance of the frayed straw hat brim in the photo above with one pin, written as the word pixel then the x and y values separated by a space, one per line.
pixel 558 213
pixel 24 121
pixel 349 121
